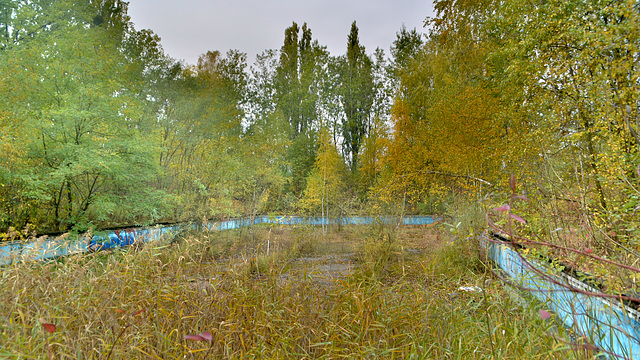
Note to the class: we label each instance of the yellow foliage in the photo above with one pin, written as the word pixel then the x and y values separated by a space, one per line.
pixel 373 152
pixel 326 184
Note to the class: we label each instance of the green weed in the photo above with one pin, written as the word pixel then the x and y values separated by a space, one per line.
pixel 220 295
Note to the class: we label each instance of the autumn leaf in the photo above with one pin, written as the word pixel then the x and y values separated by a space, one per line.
pixel 194 338
pixel 544 314
pixel 48 327
pixel 518 218
pixel 203 336
pixel 207 336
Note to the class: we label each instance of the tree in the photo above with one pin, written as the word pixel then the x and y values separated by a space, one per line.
pixel 82 155
pixel 199 124
pixel 572 71
pixel 372 154
pixel 447 131
pixel 404 49
pixel 357 95
pixel 298 86
pixel 258 182
pixel 325 186
pixel 262 92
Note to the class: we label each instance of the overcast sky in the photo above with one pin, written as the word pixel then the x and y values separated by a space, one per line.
pixel 189 28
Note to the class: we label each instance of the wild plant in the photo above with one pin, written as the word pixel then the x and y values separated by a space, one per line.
pixel 529 251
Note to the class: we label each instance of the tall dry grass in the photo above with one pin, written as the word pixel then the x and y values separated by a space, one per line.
pixel 397 295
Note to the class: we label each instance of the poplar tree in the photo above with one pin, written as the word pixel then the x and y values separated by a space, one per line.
pixel 297 94
pixel 357 93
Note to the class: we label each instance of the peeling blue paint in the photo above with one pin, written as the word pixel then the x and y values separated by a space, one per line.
pixel 50 248
pixel 608 324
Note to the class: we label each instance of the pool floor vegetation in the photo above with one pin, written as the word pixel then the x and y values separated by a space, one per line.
pixel 273 292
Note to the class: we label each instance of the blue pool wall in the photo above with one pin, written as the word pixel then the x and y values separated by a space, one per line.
pixel 50 248
pixel 607 324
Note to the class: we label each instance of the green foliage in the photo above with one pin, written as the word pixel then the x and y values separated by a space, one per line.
pixel 199 128
pixel 259 305
pixel 357 95
pixel 580 57
pixel 111 130
pixel 297 83
pixel 296 77
pixel 98 126
pixel 326 185
pixel 75 121
pixel 405 48
pixel 372 155
pixel 547 91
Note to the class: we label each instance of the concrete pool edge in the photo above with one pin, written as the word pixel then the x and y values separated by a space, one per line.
pixel 45 248
pixel 608 324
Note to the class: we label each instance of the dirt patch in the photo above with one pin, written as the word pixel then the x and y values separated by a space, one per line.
pixel 322 270
pixel 424 237
pixel 294 253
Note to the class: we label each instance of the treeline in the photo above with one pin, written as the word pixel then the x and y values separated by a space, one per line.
pixel 99 127
pixel 546 90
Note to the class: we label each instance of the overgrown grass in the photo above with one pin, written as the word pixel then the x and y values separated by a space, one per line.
pixel 398 296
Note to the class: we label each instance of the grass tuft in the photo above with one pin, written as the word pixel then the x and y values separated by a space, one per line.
pixel 274 292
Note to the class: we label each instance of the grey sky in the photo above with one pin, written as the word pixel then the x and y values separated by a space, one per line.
pixel 189 28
